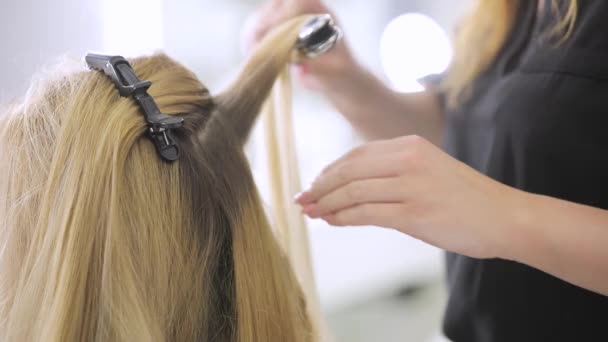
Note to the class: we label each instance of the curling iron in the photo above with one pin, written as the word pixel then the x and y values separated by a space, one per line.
pixel 318 36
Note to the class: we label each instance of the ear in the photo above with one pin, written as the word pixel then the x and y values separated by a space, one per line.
pixel 239 106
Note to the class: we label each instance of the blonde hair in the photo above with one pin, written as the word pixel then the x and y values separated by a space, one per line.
pixel 101 240
pixel 483 33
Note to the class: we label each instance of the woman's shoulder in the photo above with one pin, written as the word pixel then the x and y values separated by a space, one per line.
pixel 590 29
pixel 587 30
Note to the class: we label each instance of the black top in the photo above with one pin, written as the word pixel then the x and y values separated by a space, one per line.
pixel 537 120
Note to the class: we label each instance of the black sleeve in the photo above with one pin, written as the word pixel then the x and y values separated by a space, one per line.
pixel 434 82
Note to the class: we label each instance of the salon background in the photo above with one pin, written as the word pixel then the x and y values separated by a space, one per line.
pixel 375 285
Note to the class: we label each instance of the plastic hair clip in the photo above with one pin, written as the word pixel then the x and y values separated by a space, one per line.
pixel 128 84
pixel 318 36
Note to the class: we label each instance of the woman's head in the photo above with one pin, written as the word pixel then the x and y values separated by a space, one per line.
pixel 102 240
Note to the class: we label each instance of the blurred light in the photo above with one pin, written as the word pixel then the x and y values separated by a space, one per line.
pixel 413 46
pixel 132 27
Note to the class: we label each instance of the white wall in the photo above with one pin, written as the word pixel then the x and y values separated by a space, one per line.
pixel 37 32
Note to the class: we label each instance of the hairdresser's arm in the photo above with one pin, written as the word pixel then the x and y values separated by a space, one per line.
pixel 565 239
pixel 376 111
pixel 412 186
pixel 372 108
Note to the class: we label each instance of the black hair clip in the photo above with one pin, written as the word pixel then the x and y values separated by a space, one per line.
pixel 128 84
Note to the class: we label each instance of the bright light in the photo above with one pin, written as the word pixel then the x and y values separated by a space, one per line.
pixel 413 46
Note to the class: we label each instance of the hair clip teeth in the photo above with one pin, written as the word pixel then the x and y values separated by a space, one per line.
pixel 118 69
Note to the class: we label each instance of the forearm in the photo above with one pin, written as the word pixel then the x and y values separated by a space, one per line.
pixel 378 112
pixel 567 240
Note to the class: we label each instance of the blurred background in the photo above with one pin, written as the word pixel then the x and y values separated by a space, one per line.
pixel 375 285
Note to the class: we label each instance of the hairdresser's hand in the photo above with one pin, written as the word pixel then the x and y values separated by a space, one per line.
pixel 410 185
pixel 319 74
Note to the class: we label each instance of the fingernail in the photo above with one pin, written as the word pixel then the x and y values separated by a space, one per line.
pixel 296 198
pixel 302 198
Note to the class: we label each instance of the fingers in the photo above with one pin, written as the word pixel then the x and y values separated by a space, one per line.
pixel 379 159
pixel 267 16
pixel 309 6
pixel 379 190
pixel 298 3
pixel 256 26
pixel 273 12
pixel 388 215
pixel 375 148
pixel 348 171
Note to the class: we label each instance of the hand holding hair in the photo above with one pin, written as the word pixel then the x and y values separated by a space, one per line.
pixel 410 185
pixel 275 12
pixel 321 73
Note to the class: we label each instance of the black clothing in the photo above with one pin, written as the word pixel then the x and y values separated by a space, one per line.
pixel 537 120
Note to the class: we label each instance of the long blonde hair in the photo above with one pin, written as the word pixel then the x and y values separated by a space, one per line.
pixel 483 33
pixel 100 240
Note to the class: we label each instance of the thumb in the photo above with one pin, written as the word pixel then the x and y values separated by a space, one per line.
pixel 258 24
